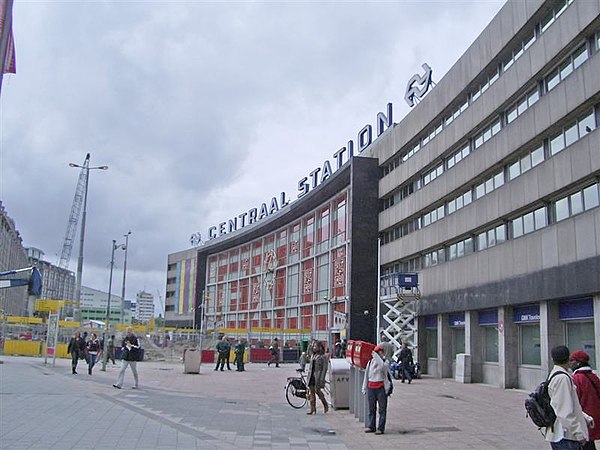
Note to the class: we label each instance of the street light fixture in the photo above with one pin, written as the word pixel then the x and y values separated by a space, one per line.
pixel 124 273
pixel 86 166
pixel 107 323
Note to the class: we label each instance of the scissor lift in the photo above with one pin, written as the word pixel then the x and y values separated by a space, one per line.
pixel 399 294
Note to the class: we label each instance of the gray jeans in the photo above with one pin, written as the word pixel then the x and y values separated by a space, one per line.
pixel 124 365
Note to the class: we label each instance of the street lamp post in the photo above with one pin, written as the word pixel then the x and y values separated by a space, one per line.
pixel 86 166
pixel 107 323
pixel 124 273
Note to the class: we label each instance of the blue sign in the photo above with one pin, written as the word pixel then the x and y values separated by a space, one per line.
pixel 456 319
pixel 576 309
pixel 528 313
pixel 488 317
pixel 431 321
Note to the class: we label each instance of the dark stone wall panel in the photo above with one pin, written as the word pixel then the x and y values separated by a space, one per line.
pixel 578 279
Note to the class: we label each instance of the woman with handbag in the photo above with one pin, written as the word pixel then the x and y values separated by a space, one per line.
pixel 378 386
pixel 317 370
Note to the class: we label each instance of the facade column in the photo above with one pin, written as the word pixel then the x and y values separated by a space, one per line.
pixel 444 344
pixel 597 330
pixel 508 349
pixel 551 333
pixel 474 345
pixel 421 344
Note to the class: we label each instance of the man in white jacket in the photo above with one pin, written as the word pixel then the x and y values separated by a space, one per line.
pixel 570 430
pixel 378 386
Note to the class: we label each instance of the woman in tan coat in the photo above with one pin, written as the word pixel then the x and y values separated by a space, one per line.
pixel 317 370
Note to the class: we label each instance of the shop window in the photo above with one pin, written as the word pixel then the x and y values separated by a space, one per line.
pixel 432 337
pixel 458 340
pixel 581 336
pixel 490 348
pixel 530 344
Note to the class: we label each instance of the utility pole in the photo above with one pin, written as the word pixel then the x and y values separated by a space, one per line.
pixel 107 324
pixel 124 274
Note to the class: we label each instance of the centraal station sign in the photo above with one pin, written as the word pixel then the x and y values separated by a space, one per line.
pixel 305 184
pixel 364 139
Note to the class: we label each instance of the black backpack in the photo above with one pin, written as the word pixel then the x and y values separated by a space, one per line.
pixel 538 405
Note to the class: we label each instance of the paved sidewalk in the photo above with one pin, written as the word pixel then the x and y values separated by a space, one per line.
pixel 46 407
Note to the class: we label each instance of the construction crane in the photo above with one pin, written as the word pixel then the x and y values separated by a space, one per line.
pixel 65 255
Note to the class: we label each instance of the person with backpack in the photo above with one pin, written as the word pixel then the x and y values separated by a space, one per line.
pixel 588 391
pixel 570 429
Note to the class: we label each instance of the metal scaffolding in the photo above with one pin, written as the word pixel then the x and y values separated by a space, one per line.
pixel 398 297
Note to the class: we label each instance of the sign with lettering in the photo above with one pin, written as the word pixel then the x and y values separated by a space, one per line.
pixel 315 178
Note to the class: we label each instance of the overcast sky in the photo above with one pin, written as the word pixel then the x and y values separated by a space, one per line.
pixel 201 110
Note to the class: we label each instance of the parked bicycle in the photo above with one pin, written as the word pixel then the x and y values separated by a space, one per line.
pixel 296 390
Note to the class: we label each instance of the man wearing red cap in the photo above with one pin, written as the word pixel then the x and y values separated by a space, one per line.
pixel 588 391
pixel 378 386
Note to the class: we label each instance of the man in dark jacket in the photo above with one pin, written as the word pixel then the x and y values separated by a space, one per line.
pixel 76 348
pixel 240 349
pixel 406 359
pixel 130 351
pixel 223 350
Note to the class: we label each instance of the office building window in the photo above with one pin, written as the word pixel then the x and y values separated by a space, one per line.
pixel 577 202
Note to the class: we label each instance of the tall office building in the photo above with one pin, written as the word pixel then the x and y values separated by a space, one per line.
pixel 13 301
pixel 144 306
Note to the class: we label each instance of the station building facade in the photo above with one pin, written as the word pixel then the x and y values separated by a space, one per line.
pixel 488 189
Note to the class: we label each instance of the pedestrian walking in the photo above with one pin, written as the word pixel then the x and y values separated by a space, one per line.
pixel 588 392
pixel 317 369
pixel 570 429
pixel 274 349
pixel 76 348
pixel 239 350
pixel 406 363
pixel 110 349
pixel 223 350
pixel 344 346
pixel 130 351
pixel 388 349
pixel 377 385
pixel 93 348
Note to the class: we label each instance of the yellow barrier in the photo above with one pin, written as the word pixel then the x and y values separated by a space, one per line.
pixel 232 356
pixel 26 348
pixel 61 350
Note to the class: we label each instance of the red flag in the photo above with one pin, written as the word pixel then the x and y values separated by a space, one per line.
pixel 9 65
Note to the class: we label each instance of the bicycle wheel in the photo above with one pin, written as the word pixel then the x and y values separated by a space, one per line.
pixel 294 396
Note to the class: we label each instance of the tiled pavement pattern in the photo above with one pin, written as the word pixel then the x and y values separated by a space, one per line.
pixel 45 407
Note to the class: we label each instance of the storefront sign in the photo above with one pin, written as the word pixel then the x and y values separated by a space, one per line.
pixel 529 313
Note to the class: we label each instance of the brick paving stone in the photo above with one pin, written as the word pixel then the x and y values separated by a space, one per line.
pixel 42 407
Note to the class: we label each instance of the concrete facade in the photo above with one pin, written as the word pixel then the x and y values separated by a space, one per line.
pixel 554 262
